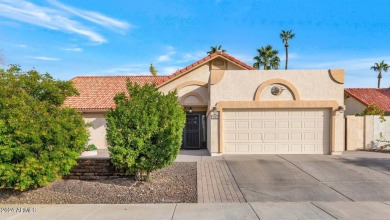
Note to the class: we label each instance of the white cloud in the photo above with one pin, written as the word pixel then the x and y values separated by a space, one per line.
pixel 94 17
pixel 60 18
pixel 168 70
pixel 73 49
pixel 170 51
pixel 127 69
pixel 45 58
pixel 188 57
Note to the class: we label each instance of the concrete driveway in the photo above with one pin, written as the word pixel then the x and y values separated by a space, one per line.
pixel 353 176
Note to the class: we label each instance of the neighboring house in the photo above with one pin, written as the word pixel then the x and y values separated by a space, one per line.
pixel 234 109
pixel 357 99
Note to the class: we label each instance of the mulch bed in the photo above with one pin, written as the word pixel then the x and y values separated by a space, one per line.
pixel 174 184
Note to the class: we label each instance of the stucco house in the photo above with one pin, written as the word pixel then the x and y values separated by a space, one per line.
pixel 234 109
pixel 357 99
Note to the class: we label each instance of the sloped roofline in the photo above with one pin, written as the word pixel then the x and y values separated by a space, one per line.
pixel 200 62
pixel 349 92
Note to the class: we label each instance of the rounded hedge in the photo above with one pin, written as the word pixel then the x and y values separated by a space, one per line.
pixel 39 140
pixel 145 131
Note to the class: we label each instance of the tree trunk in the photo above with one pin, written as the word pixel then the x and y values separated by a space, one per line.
pixel 137 176
pixel 379 80
pixel 147 176
pixel 286 45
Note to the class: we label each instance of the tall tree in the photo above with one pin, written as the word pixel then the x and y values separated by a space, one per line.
pixel 379 67
pixel 215 49
pixel 285 36
pixel 268 58
pixel 152 70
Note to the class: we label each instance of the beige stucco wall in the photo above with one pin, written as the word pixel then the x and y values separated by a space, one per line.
pixel 201 73
pixel 312 85
pixel 353 107
pixel 354 132
pixel 232 66
pixel 285 95
pixel 364 132
pixel 97 130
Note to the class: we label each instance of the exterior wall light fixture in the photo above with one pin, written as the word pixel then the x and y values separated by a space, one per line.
pixel 215 113
pixel 190 111
pixel 341 109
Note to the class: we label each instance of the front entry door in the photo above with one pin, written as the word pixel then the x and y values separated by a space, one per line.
pixel 193 133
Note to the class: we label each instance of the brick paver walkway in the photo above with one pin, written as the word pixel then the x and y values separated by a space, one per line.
pixel 216 183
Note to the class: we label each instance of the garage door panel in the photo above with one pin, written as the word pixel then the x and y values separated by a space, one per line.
pixel 269 137
pixel 270 148
pixel 281 114
pixel 243 137
pixel 243 124
pixel 256 115
pixel 229 115
pixel 310 124
pixel 296 124
pixel 230 148
pixel 282 136
pixel 309 136
pixel 270 124
pixel 256 137
pixel 296 136
pixel 283 124
pixel 276 131
pixel 230 137
pixel 257 148
pixel 282 148
pixel 296 148
pixel 256 124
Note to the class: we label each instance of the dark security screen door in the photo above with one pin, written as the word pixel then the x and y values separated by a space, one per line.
pixel 192 131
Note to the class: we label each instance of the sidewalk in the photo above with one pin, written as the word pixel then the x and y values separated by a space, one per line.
pixel 215 211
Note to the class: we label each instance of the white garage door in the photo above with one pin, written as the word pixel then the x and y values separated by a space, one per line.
pixel 276 131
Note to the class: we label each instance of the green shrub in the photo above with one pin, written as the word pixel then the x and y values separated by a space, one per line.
pixel 39 140
pixel 90 147
pixel 145 131
pixel 374 110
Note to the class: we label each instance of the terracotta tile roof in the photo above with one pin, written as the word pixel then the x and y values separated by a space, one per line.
pixel 202 61
pixel 368 96
pixel 97 92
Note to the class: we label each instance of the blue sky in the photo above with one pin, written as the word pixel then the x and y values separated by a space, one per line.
pixel 118 37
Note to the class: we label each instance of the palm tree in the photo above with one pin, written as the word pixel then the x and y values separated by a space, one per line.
pixel 379 67
pixel 267 57
pixel 286 35
pixel 215 49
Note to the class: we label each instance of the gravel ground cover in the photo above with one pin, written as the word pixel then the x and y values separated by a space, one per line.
pixel 174 184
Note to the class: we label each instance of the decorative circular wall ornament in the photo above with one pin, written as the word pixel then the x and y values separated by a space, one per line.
pixel 277 90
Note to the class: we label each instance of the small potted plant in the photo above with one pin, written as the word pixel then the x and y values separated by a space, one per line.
pixel 90 150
